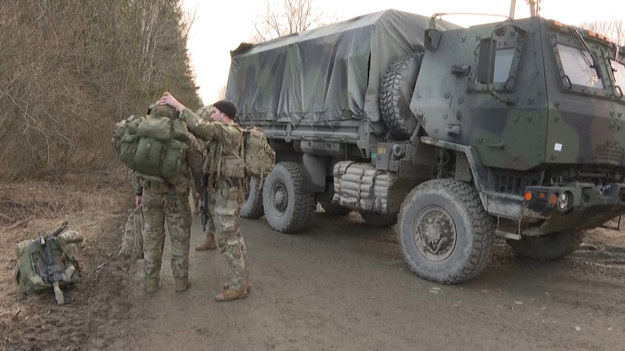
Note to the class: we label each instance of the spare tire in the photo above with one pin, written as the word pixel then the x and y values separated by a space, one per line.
pixel 395 94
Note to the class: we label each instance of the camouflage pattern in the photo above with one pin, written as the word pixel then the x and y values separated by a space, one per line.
pixel 549 119
pixel 132 239
pixel 210 203
pixel 227 214
pixel 228 194
pixel 166 202
pixel 204 112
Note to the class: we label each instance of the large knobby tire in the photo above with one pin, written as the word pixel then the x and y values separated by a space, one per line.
pixel 395 94
pixel 379 219
pixel 253 206
pixel 445 233
pixel 552 246
pixel 288 208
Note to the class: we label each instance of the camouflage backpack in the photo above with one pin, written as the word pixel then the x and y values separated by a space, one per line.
pixel 35 272
pixel 132 241
pixel 259 156
pixel 155 145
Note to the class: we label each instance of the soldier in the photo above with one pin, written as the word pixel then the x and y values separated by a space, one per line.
pixel 207 190
pixel 226 173
pixel 162 200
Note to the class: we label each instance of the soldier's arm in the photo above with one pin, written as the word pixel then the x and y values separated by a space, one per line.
pixel 202 129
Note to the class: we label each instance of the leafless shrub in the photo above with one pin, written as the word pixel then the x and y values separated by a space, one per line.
pixel 69 69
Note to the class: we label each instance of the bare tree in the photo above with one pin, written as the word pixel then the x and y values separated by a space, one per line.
pixel 221 93
pixel 282 17
pixel 615 30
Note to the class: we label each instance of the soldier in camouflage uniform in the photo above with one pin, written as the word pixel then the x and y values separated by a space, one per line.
pixel 204 113
pixel 226 173
pixel 162 201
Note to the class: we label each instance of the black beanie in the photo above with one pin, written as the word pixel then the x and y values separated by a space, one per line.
pixel 226 107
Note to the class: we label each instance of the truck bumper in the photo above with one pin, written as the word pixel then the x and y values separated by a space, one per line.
pixel 573 206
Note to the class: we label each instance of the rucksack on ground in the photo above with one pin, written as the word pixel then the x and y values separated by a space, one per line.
pixel 155 145
pixel 259 156
pixel 32 266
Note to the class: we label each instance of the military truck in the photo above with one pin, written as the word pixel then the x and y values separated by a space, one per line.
pixel 512 129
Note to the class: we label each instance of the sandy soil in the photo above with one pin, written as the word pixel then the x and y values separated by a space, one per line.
pixel 339 286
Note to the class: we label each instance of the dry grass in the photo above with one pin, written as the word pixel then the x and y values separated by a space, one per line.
pixel 95 205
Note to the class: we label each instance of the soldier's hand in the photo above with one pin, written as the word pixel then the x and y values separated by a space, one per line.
pixel 168 99
pixel 138 200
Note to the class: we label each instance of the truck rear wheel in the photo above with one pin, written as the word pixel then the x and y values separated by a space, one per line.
pixel 288 208
pixel 253 206
pixel 445 233
pixel 552 246
pixel 395 94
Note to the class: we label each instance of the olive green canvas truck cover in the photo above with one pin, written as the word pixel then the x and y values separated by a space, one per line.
pixel 323 79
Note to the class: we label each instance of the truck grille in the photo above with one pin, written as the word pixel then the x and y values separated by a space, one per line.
pixel 608 153
pixel 512 182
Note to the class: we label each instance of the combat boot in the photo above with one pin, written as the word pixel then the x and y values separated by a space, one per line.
pixel 208 244
pixel 229 295
pixel 182 284
pixel 150 285
pixel 248 288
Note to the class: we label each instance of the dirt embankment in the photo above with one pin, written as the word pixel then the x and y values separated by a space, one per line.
pixel 95 205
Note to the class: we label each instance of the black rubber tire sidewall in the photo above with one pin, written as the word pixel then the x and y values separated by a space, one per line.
pixel 300 206
pixel 472 249
pixel 395 94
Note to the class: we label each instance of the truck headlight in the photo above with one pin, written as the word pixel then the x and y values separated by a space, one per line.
pixel 564 201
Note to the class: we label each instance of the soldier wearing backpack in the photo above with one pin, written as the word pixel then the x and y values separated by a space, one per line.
pixel 226 173
pixel 156 147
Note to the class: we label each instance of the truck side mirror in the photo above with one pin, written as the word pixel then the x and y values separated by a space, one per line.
pixel 432 39
pixel 486 61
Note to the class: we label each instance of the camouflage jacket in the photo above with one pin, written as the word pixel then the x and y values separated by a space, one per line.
pixel 223 140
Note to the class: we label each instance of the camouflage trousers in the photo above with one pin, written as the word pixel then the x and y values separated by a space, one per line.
pixel 209 202
pixel 165 203
pixel 226 218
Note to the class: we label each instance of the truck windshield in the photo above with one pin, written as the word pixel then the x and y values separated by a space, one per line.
pixel 575 63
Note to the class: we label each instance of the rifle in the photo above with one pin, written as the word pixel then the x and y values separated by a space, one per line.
pixel 204 200
pixel 54 272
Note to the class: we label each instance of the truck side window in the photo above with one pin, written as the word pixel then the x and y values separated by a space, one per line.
pixel 576 67
pixel 503 64
pixel 498 59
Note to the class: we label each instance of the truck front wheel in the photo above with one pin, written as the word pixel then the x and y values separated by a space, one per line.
pixel 288 208
pixel 552 246
pixel 444 232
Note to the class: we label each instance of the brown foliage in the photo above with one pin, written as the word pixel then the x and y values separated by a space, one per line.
pixel 611 29
pixel 70 68
pixel 283 17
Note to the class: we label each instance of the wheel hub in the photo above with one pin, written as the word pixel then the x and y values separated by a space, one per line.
pixel 435 233
pixel 280 198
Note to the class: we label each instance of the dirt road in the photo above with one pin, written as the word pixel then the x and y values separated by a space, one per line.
pixel 344 286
